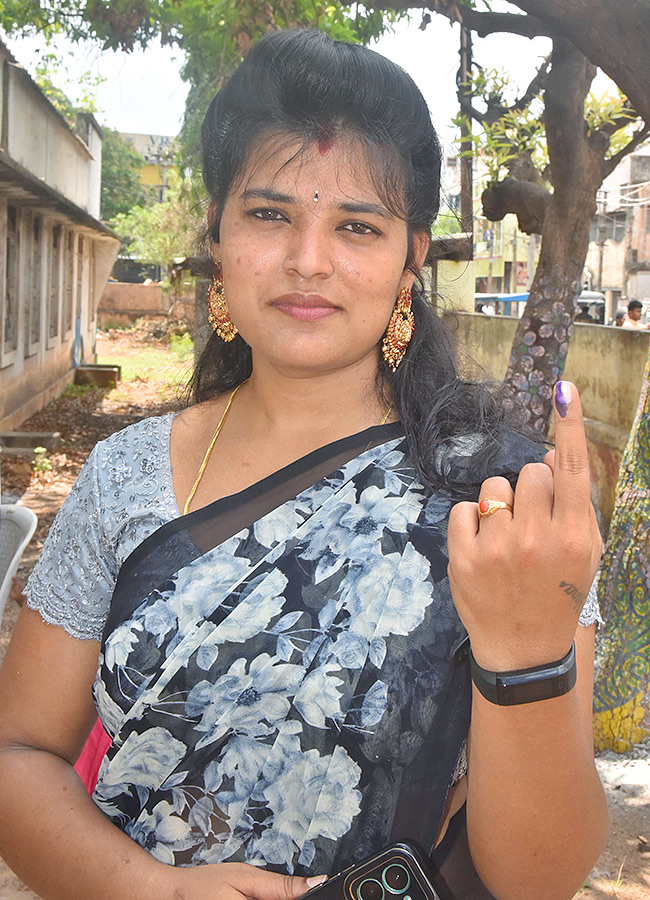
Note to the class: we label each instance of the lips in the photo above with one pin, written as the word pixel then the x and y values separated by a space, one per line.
pixel 307 307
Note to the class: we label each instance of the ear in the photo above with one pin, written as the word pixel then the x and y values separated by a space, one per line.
pixel 213 219
pixel 421 244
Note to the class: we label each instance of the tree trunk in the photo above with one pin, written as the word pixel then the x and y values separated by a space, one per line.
pixel 622 688
pixel 542 338
pixel 613 34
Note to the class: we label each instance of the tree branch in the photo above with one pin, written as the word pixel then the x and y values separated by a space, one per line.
pixel 614 35
pixel 610 128
pixel 528 201
pixel 497 111
pixel 482 23
pixel 611 163
pixel 535 87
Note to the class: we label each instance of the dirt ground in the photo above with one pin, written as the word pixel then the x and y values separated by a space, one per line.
pixel 622 872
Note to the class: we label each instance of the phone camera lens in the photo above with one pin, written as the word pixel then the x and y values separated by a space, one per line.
pixel 396 878
pixel 370 890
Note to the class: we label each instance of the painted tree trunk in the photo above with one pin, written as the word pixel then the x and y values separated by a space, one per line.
pixel 541 341
pixel 622 688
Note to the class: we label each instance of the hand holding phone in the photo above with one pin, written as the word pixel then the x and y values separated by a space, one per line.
pixel 400 872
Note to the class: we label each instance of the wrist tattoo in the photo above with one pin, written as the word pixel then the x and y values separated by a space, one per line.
pixel 572 591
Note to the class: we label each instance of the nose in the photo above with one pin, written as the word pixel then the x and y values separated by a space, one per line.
pixel 309 251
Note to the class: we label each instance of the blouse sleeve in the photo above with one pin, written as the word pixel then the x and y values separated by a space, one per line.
pixel 590 613
pixel 72 583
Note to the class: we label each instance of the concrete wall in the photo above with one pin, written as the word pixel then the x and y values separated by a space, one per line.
pixel 122 303
pixel 455 284
pixel 606 364
pixel 39 139
pixel 38 361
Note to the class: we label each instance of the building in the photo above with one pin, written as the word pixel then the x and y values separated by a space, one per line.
pixel 157 150
pixel 55 254
pixel 504 258
pixel 618 262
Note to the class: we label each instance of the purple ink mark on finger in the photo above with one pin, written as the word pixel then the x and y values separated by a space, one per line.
pixel 562 397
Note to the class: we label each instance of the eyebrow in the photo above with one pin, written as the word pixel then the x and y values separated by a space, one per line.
pixel 277 197
pixel 267 194
pixel 364 208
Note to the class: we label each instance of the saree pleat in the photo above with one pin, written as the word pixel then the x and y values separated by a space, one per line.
pixel 278 673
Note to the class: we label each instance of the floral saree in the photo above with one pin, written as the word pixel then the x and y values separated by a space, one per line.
pixel 280 675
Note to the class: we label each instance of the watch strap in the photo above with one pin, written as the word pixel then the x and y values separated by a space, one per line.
pixel 526 685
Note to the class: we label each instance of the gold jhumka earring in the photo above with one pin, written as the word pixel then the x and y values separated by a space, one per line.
pixel 218 315
pixel 399 331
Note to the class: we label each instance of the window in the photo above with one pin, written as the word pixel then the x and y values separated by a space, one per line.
pixel 34 334
pixel 92 300
pixel 80 274
pixel 10 320
pixel 68 283
pixel 54 286
pixel 608 227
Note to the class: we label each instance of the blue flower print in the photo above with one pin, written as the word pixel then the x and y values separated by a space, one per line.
pixel 152 756
pixel 276 525
pixel 244 702
pixel 158 620
pixel 121 643
pixel 375 611
pixel 315 796
pixel 201 586
pixel 352 530
pixel 319 697
pixel 161 833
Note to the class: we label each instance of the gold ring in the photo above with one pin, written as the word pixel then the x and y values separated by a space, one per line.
pixel 488 507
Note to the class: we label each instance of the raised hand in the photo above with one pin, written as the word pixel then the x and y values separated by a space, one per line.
pixel 519 578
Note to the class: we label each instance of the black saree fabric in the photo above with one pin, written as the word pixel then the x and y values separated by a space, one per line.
pixel 279 671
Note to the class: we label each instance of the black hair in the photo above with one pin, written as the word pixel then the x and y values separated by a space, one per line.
pixel 634 304
pixel 301 84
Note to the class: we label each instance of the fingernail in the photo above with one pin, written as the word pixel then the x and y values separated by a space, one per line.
pixel 315 880
pixel 563 397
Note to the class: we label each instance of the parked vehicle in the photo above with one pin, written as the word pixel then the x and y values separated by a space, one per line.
pixel 500 304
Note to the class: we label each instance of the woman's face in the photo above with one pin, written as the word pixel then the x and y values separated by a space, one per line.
pixel 312 259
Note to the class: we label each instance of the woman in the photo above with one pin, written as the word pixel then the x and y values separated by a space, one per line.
pixel 282 670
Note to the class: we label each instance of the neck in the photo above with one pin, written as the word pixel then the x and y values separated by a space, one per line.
pixel 331 404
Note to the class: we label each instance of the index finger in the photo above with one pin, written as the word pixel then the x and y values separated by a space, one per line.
pixel 571 482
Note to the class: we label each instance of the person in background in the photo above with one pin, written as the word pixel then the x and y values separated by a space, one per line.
pixel 633 320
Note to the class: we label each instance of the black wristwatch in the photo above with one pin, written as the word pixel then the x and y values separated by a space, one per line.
pixel 526 685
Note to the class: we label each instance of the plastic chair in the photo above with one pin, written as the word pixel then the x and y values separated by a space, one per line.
pixel 17 525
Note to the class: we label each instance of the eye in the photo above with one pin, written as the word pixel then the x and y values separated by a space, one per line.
pixel 266 214
pixel 359 228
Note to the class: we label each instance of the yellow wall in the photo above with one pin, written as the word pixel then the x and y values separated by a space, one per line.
pixel 456 285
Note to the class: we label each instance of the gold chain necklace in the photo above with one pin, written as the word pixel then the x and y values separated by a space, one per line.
pixel 208 452
pixel 217 432
pixel 388 412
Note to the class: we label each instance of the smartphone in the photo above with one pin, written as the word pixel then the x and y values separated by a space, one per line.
pixel 400 872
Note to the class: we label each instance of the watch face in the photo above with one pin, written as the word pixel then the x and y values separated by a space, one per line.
pixel 510 692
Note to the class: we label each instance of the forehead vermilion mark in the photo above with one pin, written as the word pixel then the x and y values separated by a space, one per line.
pixel 325 145
pixel 325 141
